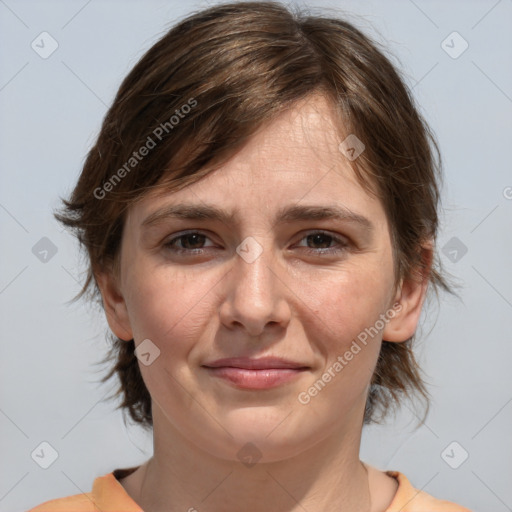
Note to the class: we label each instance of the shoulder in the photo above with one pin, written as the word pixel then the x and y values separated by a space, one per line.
pixel 106 493
pixel 409 499
pixel 76 503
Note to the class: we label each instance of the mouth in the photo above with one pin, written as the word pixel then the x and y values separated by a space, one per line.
pixel 262 373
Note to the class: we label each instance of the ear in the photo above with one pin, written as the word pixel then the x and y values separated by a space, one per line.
pixel 114 305
pixel 410 295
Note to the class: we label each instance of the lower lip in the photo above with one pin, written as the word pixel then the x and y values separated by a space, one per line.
pixel 256 379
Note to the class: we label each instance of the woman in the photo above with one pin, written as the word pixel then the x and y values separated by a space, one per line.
pixel 260 215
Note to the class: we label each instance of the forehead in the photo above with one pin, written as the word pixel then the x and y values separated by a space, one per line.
pixel 294 159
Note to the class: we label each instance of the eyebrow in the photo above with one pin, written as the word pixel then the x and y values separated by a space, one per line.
pixel 285 214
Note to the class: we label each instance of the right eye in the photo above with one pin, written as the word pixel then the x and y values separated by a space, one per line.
pixel 190 242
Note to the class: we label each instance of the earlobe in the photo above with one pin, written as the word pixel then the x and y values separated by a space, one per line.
pixel 114 306
pixel 410 295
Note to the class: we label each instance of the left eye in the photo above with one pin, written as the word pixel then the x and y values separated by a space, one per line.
pixel 324 240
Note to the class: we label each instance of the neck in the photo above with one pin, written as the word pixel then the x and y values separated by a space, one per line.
pixel 327 476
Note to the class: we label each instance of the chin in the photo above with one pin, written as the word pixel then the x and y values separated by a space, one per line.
pixel 261 435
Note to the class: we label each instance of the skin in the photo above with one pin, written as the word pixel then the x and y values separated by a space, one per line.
pixel 296 300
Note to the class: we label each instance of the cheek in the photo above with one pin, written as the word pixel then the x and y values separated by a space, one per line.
pixel 349 301
pixel 174 311
pixel 171 308
pixel 345 321
pixel 346 333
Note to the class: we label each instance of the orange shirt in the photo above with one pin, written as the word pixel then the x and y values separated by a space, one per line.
pixel 108 495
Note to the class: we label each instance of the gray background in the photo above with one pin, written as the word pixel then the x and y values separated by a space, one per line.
pixel 51 110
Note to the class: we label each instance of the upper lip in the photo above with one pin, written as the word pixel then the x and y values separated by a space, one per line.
pixel 249 363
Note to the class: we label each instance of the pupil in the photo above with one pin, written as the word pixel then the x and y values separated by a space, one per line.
pixel 196 239
pixel 317 239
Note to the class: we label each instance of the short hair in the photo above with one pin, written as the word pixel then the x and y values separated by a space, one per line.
pixel 196 97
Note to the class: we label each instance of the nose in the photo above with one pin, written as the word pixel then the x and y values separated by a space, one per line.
pixel 255 294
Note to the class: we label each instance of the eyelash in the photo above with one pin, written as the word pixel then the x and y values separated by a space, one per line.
pixel 342 244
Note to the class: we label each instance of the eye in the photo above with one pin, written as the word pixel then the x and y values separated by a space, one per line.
pixel 192 241
pixel 318 243
pixel 324 242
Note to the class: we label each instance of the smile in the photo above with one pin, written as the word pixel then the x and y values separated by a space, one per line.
pixel 256 373
pixel 255 379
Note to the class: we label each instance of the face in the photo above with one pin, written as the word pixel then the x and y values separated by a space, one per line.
pixel 296 269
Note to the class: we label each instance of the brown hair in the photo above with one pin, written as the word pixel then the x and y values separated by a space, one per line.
pixel 197 96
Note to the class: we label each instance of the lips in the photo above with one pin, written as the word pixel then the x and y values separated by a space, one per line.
pixel 255 374
pixel 262 363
